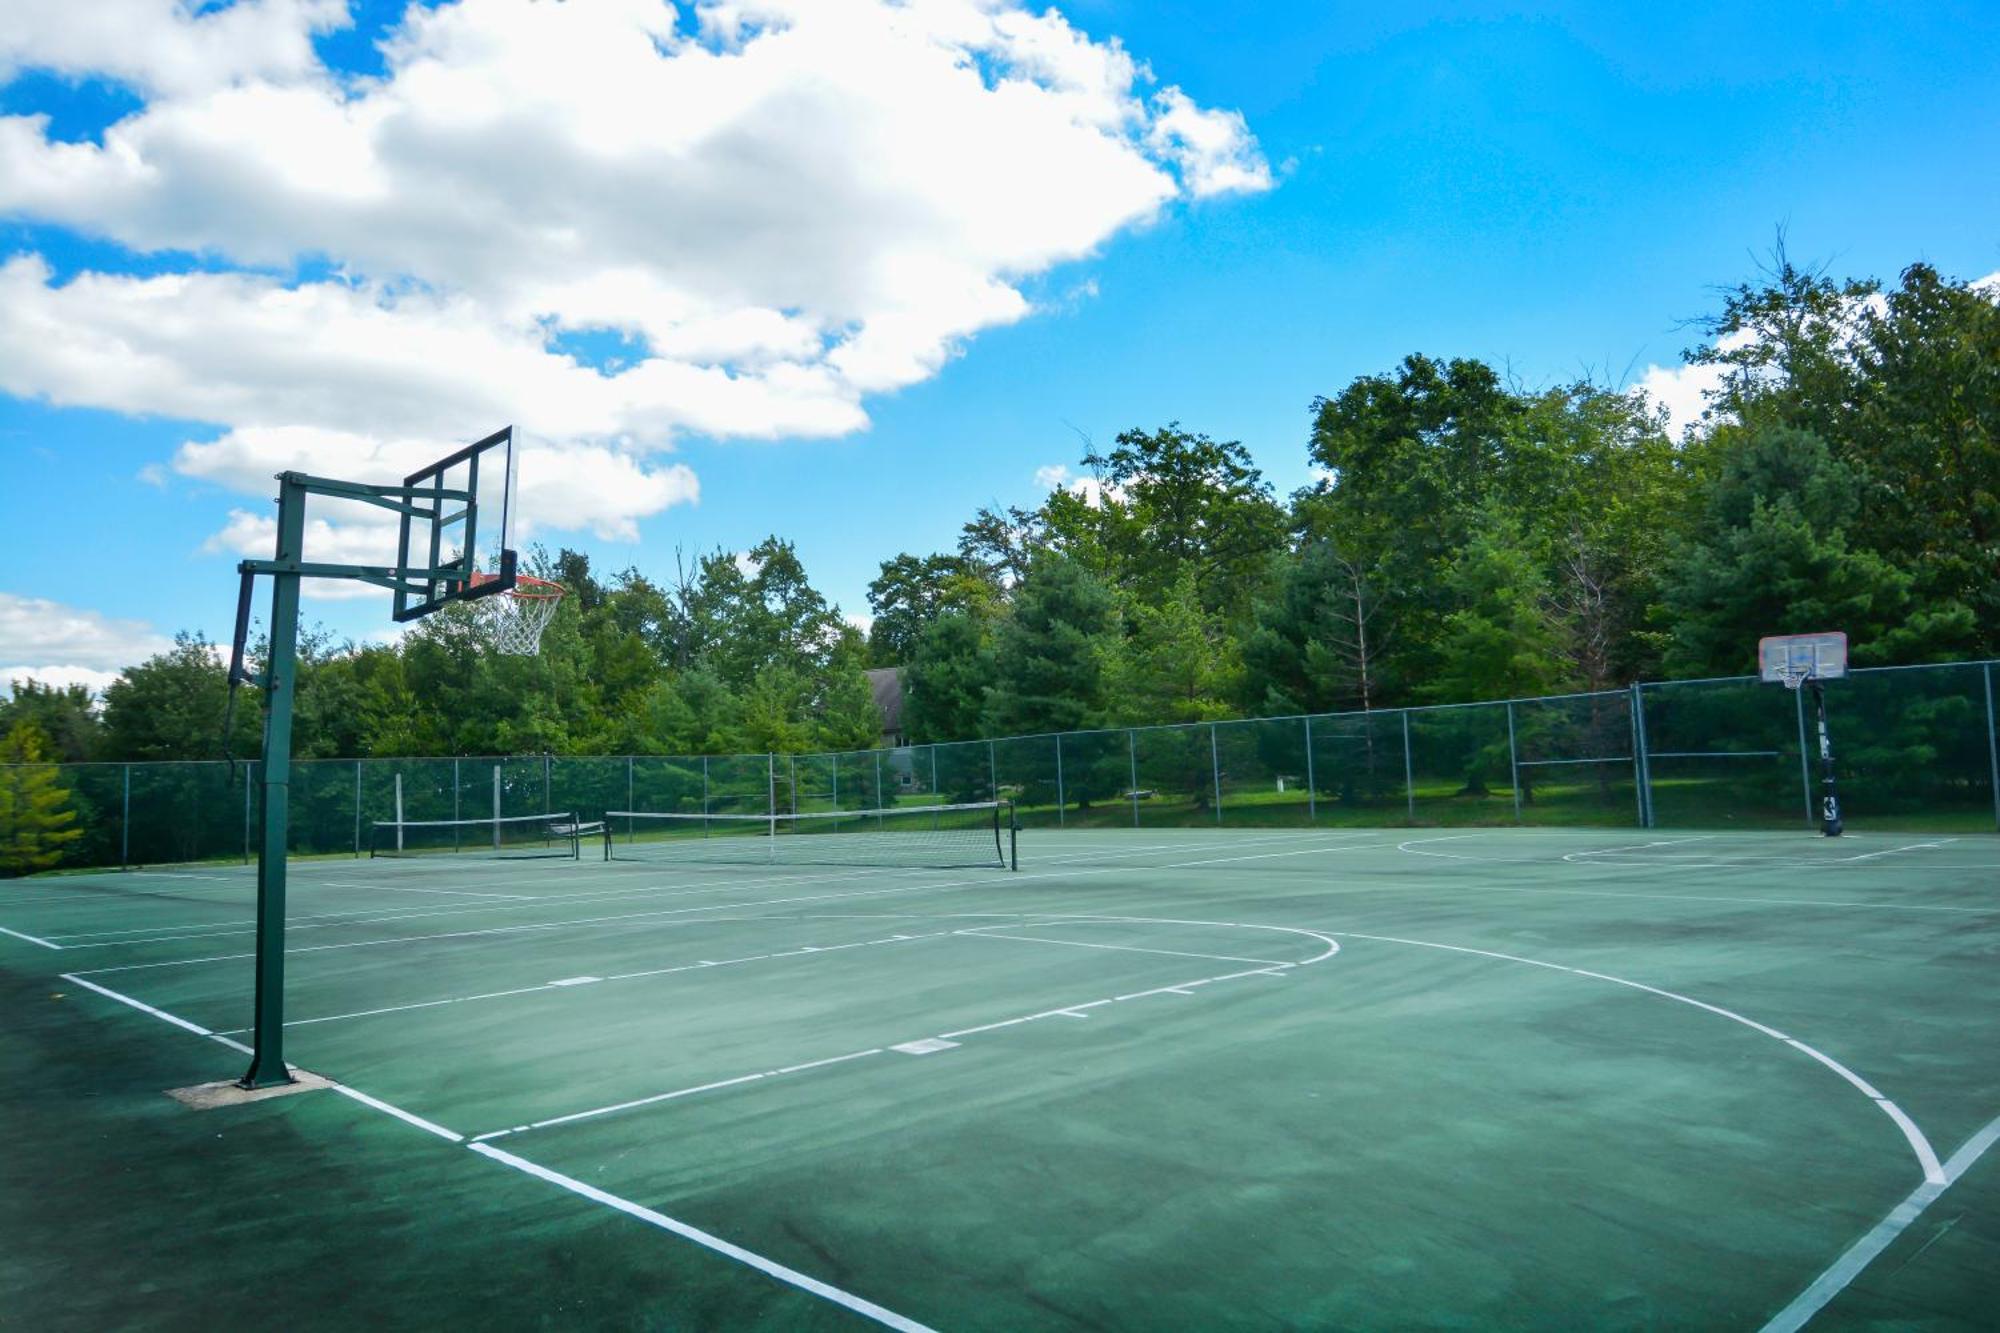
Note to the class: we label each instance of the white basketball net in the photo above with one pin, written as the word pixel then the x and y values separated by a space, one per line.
pixel 513 621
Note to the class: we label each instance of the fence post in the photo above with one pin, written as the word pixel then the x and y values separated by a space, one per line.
pixel 1132 750
pixel 1312 788
pixel 399 812
pixel 357 807
pixel 1805 764
pixel 771 787
pixel 1992 746
pixel 125 825
pixel 548 784
pixel 792 777
pixel 628 783
pixel 1409 774
pixel 836 779
pixel 881 801
pixel 1062 801
pixel 455 793
pixel 1215 770
pixel 496 807
pixel 992 772
pixel 935 798
pixel 246 819
pixel 704 789
pixel 1641 766
pixel 1513 761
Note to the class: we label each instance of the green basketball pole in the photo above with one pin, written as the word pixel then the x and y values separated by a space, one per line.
pixel 281 670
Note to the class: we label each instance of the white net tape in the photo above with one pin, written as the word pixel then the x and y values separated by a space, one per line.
pixel 514 620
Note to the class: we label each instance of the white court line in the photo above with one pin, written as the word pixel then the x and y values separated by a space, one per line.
pixel 450 1136
pixel 984 932
pixel 32 939
pixel 1634 847
pixel 1919 1145
pixel 1062 1011
pixel 1865 1251
pixel 140 1005
pixel 771 1268
pixel 700 965
pixel 1891 851
pixel 365 916
pixel 986 880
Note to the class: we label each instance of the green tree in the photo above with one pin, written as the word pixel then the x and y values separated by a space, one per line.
pixel 1171 503
pixel 1049 654
pixel 65 714
pixel 1771 554
pixel 170 706
pixel 944 686
pixel 1176 663
pixel 1500 641
pixel 1319 636
pixel 912 591
pixel 36 819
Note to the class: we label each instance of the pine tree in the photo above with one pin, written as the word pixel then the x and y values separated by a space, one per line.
pixel 35 812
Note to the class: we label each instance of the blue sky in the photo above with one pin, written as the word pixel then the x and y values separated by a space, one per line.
pixel 1558 191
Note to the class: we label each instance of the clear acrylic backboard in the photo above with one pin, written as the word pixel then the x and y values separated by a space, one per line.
pixel 459 524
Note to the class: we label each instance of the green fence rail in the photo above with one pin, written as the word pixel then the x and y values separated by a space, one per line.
pixel 1917 748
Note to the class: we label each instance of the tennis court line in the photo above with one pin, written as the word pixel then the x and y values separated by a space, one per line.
pixel 986 880
pixel 769 1267
pixel 1919 1144
pixel 573 983
pixel 1891 851
pixel 32 939
pixel 363 916
pixel 1866 1250
pixel 984 932
pixel 1633 847
pixel 1265 968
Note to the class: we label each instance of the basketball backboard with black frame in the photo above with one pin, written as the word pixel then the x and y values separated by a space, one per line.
pixel 457 524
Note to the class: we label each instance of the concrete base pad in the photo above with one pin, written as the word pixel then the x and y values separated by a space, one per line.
pixel 209 1096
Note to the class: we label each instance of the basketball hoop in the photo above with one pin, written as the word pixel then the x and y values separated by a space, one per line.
pixel 513 622
pixel 1793 678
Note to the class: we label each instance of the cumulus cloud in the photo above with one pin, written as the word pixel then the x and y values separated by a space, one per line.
pixel 776 211
pixel 56 644
pixel 1052 476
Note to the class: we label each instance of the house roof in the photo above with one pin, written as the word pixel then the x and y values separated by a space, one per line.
pixel 887 683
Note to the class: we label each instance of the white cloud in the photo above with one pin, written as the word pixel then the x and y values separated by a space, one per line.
pixel 59 645
pixel 803 203
pixel 167 45
pixel 1052 476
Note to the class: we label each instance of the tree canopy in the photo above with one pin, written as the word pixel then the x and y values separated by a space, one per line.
pixel 1467 537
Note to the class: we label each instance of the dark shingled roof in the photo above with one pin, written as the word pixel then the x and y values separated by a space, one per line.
pixel 887 682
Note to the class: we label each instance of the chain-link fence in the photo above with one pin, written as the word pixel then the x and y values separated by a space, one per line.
pixel 1916 748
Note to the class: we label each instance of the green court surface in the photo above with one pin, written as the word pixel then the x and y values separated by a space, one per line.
pixel 1154 1079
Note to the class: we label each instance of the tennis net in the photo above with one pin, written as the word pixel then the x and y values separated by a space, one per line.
pixel 925 837
pixel 511 836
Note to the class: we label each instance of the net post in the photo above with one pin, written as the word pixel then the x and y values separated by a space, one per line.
pixel 1805 759
pixel 1409 773
pixel 1312 788
pixel 1992 745
pixel 1132 753
pixel 1013 854
pixel 1640 763
pixel 1829 816
pixel 1513 761
pixel 704 784
pixel 1062 800
pixel 771 790
pixel 125 824
pixel 1215 770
